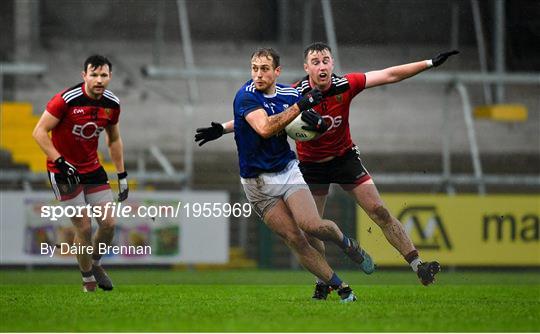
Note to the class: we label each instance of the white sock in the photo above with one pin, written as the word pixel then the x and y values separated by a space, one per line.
pixel 414 264
pixel 89 279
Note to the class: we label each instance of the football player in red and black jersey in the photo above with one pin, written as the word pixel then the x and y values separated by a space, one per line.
pixel 76 117
pixel 334 158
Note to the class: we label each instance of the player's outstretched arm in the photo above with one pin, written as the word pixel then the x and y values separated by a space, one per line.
pixel 401 72
pixel 213 132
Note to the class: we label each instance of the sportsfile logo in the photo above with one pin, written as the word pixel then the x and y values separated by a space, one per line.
pixel 120 210
pixel 425 227
pixel 110 209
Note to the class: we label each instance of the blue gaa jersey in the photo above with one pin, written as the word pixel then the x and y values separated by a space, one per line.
pixel 256 154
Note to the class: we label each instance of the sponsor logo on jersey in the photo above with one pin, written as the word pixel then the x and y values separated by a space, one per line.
pixel 87 131
pixel 332 122
pixel 78 111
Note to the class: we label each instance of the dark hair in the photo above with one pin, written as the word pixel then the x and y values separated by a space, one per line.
pixel 316 47
pixel 268 53
pixel 96 61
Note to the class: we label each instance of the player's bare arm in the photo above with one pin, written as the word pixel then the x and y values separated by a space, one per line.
pixel 267 126
pixel 46 123
pixel 116 149
pixel 401 72
pixel 228 127
pixel 116 146
pixel 394 74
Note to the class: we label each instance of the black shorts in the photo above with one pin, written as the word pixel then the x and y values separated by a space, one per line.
pixel 92 182
pixel 346 170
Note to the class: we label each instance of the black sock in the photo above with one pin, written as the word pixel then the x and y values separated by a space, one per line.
pixel 87 276
pixel 411 256
pixel 96 259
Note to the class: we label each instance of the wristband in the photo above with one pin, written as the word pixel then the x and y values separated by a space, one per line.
pixel 429 63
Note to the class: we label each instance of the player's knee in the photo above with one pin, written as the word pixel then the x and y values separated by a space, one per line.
pixel 381 215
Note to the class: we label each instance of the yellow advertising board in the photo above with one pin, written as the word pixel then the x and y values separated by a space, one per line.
pixel 498 230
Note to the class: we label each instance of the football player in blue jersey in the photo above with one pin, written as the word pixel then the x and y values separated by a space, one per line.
pixel 269 170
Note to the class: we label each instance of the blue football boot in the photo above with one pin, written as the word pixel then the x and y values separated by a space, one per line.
pixel 360 256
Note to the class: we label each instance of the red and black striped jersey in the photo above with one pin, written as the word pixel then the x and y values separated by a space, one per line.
pixel 82 119
pixel 334 108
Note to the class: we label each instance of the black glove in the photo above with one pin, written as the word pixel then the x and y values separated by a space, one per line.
pixel 310 100
pixel 207 134
pixel 314 121
pixel 123 188
pixel 68 171
pixel 441 57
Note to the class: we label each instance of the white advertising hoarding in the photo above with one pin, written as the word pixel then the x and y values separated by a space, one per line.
pixel 158 228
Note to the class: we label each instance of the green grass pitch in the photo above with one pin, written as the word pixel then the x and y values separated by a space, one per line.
pixel 265 301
